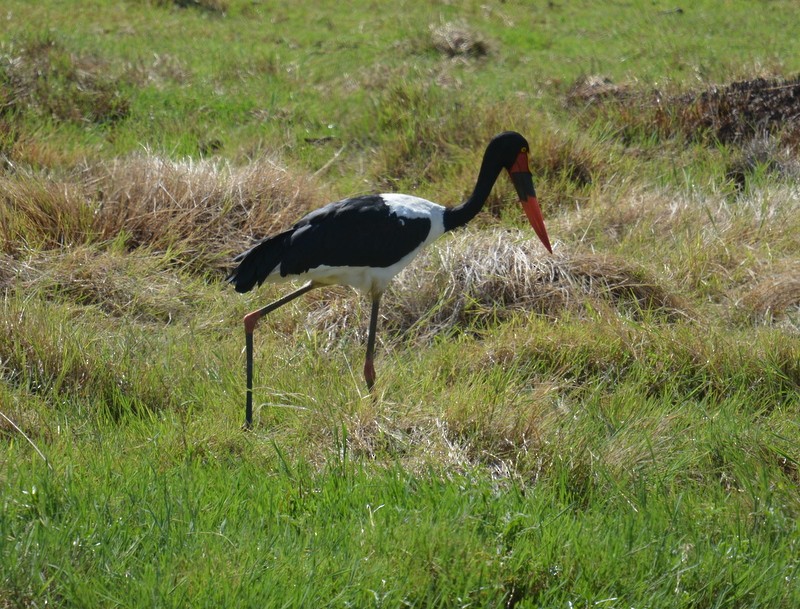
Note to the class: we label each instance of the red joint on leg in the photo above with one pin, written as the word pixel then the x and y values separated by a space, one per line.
pixel 369 374
pixel 250 321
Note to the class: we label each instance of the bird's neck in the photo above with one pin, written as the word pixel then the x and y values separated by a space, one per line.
pixel 459 215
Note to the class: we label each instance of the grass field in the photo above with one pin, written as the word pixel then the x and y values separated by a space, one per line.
pixel 615 425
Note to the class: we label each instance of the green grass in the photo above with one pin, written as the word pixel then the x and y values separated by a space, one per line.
pixel 547 479
pixel 216 526
pixel 612 426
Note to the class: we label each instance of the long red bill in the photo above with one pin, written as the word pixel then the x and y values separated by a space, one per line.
pixel 534 213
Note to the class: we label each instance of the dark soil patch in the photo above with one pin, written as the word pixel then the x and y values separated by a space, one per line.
pixel 739 111
pixel 732 113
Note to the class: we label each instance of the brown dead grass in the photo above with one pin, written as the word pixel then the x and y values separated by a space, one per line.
pixel 205 207
pixel 200 211
pixel 733 113
pixel 774 299
pixel 195 214
pixel 478 277
pixel 458 40
pixel 593 88
pixel 743 109
pixel 712 247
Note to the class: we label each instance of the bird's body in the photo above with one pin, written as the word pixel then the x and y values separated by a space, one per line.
pixel 363 242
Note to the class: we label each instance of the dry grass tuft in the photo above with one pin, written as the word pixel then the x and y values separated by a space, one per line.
pixel 733 113
pixel 158 69
pixel 461 436
pixel 775 300
pixel 742 109
pixel 625 284
pixel 206 208
pixel 419 439
pixel 513 430
pixel 479 277
pixel 200 211
pixel 138 285
pixel 458 40
pixel 593 88
pixel 42 76
pixel 711 246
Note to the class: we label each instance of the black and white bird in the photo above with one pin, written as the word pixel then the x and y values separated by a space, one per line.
pixel 364 241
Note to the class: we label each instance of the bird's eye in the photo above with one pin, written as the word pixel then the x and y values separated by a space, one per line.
pixel 524 149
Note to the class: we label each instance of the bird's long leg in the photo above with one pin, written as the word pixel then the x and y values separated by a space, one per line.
pixel 369 366
pixel 250 321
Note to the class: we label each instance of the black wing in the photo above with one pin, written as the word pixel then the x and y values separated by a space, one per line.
pixel 255 265
pixel 362 231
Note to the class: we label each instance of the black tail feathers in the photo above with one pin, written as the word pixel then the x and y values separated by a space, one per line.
pixel 256 264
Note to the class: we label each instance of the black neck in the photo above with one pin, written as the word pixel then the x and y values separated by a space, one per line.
pixel 455 217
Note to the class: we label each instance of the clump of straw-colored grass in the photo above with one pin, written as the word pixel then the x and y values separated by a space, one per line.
pixel 458 40
pixel 201 211
pixel 205 207
pixel 478 277
pixel 140 285
pixel 774 300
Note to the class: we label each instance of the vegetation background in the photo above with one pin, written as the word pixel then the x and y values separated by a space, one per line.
pixel 616 425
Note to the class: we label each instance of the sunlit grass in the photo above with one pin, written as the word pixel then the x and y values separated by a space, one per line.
pixel 611 426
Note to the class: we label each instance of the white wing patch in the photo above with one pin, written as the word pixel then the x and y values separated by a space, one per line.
pixel 408 206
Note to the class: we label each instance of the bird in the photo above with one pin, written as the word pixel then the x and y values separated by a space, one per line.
pixel 364 241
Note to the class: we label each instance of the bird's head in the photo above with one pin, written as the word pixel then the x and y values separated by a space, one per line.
pixel 512 151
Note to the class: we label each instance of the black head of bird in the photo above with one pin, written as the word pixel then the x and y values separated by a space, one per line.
pixel 512 151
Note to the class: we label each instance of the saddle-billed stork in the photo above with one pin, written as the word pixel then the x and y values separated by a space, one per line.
pixel 364 241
